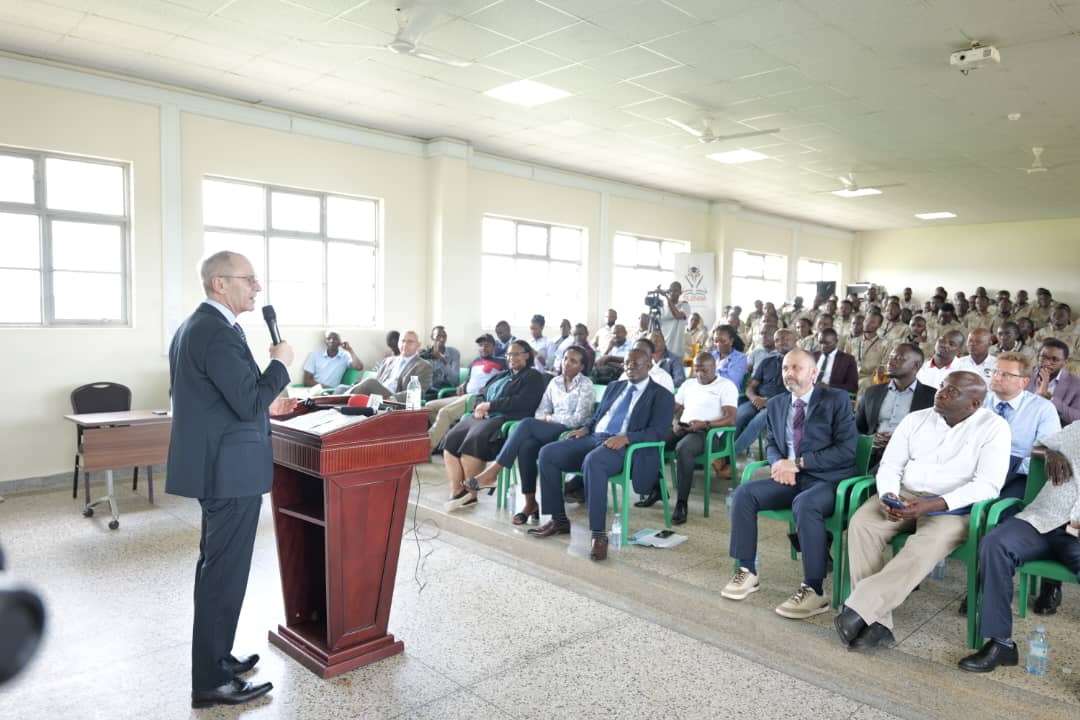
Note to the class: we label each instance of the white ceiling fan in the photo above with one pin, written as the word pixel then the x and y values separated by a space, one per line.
pixel 704 132
pixel 852 188
pixel 413 21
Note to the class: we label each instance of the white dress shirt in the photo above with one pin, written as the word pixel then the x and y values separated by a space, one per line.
pixel 963 464
pixel 706 402
pixel 932 375
pixel 981 369
pixel 601 426
pixel 824 366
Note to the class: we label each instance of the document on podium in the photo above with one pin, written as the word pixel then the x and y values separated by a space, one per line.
pixel 321 422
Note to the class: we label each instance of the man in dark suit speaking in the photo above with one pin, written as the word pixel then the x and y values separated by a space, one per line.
pixel 811 448
pixel 632 410
pixel 219 452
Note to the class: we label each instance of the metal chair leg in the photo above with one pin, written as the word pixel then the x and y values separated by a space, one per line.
pixel 150 482
pixel 75 479
pixel 135 478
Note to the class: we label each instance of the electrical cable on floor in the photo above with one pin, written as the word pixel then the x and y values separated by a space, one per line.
pixel 421 557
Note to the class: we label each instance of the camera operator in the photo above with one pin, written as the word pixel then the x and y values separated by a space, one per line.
pixel 673 318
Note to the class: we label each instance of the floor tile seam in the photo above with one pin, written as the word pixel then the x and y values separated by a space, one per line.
pixel 709 635
pixel 413 710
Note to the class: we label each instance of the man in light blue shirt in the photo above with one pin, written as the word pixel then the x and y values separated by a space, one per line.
pixel 1030 417
pixel 327 367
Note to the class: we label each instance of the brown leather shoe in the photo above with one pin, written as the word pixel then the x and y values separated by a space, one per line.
pixel 550 528
pixel 598 551
pixel 721 469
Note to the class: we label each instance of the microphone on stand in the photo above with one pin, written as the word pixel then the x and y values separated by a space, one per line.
pixel 270 316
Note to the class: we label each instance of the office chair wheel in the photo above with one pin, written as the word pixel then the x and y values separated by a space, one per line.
pixel 114 524
pixel 88 512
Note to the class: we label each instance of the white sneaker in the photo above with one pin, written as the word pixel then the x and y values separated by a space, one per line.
pixel 742 584
pixel 803 604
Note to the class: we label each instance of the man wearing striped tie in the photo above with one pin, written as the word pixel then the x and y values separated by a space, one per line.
pixel 632 411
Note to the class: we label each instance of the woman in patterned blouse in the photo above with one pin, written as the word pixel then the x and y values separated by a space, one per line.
pixel 567 404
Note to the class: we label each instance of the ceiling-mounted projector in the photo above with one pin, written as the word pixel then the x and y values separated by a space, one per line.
pixel 967 60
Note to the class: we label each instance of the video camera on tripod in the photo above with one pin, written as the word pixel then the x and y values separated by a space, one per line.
pixel 655 300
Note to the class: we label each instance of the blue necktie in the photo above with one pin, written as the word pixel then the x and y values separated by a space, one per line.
pixel 240 330
pixel 1003 409
pixel 618 417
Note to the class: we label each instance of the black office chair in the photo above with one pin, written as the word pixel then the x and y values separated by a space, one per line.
pixel 94 398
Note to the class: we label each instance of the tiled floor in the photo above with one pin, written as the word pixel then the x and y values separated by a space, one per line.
pixel 498 625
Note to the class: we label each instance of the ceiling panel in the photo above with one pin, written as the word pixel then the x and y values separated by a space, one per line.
pixel 522 19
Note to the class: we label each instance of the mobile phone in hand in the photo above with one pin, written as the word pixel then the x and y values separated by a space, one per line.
pixel 892 502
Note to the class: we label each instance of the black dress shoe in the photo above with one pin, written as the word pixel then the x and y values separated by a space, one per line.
pixel 231 693
pixel 550 528
pixel 1049 597
pixel 678 517
pixel 848 625
pixel 649 500
pixel 598 548
pixel 874 636
pixel 239 666
pixel 992 654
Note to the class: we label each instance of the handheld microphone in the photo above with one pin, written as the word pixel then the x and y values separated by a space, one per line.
pixel 271 323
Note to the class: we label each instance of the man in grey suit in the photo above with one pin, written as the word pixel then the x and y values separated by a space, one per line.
pixel 219 452
pixel 392 374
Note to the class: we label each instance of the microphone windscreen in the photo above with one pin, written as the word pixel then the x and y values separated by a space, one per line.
pixel 269 313
pixel 358 401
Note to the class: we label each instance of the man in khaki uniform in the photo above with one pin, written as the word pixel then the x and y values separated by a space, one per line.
pixel 980 317
pixel 1044 307
pixel 893 329
pixel 870 350
pixel 1060 327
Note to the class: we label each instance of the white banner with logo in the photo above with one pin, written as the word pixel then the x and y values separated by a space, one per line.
pixel 696 272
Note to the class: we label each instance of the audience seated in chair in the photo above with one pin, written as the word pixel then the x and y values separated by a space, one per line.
pixel 392 375
pixel 943 361
pixel 882 407
pixel 444 412
pixel 542 347
pixel 512 394
pixel 566 405
pixel 730 362
pixel 811 448
pixel 870 350
pixel 939 462
pixel 1038 532
pixel 836 369
pixel 326 368
pixel 635 410
pixel 978 360
pixel 445 363
pixel 1052 381
pixel 767 381
pixel 703 402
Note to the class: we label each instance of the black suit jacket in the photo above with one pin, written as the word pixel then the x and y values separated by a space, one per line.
pixel 867 414
pixel 845 371
pixel 220 441
pixel 829 436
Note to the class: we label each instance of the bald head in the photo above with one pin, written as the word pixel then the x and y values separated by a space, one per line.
pixel 978 344
pixel 961 394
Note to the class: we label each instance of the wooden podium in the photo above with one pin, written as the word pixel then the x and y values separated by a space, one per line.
pixel 339 499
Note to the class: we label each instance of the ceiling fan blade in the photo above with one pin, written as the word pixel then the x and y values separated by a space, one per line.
pixel 848 180
pixel 444 59
pixel 684 127
pixel 736 136
pixel 355 46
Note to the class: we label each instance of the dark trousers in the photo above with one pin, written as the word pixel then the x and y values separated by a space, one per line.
pixel 221 576
pixel 810 500
pixel 1009 545
pixel 687 447
pixel 523 445
pixel 597 464
pixel 749 422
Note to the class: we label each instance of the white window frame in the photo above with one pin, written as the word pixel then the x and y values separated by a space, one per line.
pixel 493 311
pixel 781 282
pixel 47 216
pixel 820 266
pixel 269 232
pixel 684 246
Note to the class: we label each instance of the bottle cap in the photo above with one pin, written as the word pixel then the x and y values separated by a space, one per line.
pixel 1040 629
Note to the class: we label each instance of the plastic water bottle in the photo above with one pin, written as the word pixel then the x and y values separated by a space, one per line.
pixel 511 497
pixel 938 573
pixel 729 502
pixel 1038 650
pixel 757 564
pixel 616 532
pixel 412 394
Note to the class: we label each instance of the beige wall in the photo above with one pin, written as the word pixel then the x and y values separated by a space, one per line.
pixel 430 272
pixel 43 366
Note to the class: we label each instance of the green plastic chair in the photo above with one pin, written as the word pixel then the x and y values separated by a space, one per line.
pixel 835 523
pixel 967 553
pixel 350 376
pixel 622 480
pixel 463 375
pixel 1030 572
pixel 727 450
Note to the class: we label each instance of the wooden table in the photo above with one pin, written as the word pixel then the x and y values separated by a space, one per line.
pixel 121 439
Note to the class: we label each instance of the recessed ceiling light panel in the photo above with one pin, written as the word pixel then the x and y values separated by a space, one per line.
pixel 935 215
pixel 734 157
pixel 527 93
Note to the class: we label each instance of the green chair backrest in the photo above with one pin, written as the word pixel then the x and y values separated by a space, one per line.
pixel 368 374
pixel 862 453
pixel 598 391
pixel 350 376
pixel 463 375
pixel 1035 480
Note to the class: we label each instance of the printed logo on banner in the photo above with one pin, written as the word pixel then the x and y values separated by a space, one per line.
pixel 692 290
